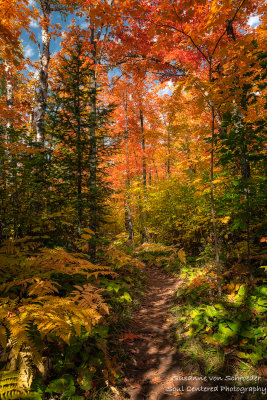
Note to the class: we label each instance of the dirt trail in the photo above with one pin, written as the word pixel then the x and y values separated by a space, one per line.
pixel 155 369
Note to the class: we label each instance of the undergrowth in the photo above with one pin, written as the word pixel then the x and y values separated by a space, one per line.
pixel 224 335
pixel 60 317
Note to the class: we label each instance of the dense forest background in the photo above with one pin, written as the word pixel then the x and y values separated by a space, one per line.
pixel 139 140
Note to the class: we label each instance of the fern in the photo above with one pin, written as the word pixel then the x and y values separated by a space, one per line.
pixel 120 259
pixel 10 386
pixel 88 296
pixel 37 313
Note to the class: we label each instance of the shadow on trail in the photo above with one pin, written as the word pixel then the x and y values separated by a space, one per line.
pixel 156 370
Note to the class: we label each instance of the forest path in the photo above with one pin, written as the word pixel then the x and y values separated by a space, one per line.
pixel 154 369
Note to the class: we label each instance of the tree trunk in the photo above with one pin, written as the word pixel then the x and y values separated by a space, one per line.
pixel 143 148
pixel 39 114
pixel 93 224
pixel 9 94
pixel 169 154
pixel 79 157
pixel 144 234
pixel 216 245
pixel 246 173
pixel 128 214
pixel 11 158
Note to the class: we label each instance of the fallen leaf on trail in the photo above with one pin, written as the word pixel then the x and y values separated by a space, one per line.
pixel 135 386
pixel 157 379
pixel 176 394
pixel 128 336
pixel 140 364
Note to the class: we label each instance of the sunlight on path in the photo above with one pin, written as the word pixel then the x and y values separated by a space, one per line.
pixel 154 365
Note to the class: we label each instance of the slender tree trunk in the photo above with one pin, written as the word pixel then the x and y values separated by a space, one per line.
pixel 93 224
pixel 5 167
pixel 191 167
pixel 12 162
pixel 128 214
pixel 79 155
pixel 9 95
pixel 150 178
pixel 169 154
pixel 143 149
pixel 216 245
pixel 144 233
pixel 44 50
pixel 246 173
pixel 155 167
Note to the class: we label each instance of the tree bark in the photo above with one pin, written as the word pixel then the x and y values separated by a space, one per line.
pixel 169 154
pixel 144 234
pixel 39 114
pixel 9 94
pixel 128 214
pixel 216 245
pixel 143 149
pixel 93 224
pixel 79 154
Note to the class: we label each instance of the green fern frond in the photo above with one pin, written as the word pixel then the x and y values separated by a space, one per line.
pixel 9 386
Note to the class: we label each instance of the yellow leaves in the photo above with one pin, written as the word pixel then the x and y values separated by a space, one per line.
pixel 218 180
pixel 11 386
pixel 3 336
pixel 43 307
pixel 86 236
pixel 120 259
pixel 188 333
pixel 225 220
pixel 88 231
pixel 243 342
pixel 58 260
pixel 182 256
pixel 232 287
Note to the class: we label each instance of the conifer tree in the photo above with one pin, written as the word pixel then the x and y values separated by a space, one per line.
pixel 73 119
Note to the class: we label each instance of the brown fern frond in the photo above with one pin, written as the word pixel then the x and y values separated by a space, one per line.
pixel 88 296
pixel 58 260
pixel 43 288
pixel 35 286
pixel 41 307
pixel 3 335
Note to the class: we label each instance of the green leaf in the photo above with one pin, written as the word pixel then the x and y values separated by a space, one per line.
pixel 64 385
pixel 126 297
pixel 233 325
pixel 247 333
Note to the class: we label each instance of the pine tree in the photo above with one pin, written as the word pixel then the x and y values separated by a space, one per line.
pixel 78 112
